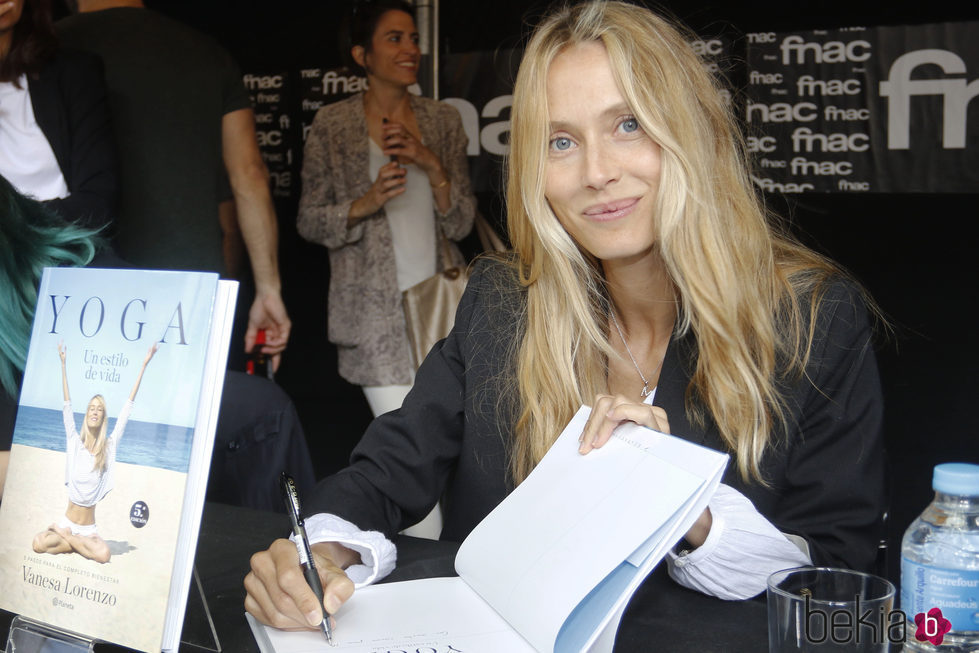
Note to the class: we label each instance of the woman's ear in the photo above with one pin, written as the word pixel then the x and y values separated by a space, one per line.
pixel 359 55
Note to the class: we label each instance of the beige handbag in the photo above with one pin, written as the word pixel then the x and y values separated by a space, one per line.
pixel 430 306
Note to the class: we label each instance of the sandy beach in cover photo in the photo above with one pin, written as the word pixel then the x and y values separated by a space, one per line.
pixel 122 600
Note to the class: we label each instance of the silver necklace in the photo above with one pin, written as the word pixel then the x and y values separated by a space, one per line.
pixel 645 384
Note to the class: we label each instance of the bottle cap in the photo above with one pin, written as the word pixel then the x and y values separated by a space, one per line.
pixel 260 337
pixel 956 478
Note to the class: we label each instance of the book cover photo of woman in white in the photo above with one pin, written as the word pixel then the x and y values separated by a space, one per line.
pixel 91 457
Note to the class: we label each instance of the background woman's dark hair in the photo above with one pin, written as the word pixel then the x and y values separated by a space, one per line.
pixel 358 26
pixel 33 42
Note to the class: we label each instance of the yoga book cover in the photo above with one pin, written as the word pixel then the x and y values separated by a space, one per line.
pixel 111 449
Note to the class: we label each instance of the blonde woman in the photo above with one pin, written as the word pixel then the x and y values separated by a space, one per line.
pixel 648 282
pixel 91 457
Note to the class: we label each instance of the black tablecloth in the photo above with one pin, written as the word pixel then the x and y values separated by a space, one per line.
pixel 661 616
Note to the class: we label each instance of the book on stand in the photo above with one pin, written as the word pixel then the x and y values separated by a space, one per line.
pixel 552 567
pixel 111 450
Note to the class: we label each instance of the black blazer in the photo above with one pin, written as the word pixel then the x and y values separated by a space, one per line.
pixel 69 99
pixel 452 434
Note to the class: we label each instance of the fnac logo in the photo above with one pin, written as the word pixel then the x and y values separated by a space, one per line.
pixel 956 94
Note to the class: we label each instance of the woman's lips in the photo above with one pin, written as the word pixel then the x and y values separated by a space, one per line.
pixel 611 210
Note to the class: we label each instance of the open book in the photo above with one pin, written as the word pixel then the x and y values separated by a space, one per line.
pixel 552 567
pixel 116 421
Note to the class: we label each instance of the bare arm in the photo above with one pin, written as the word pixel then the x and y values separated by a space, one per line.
pixel 256 219
pixel 142 368
pixel 232 244
pixel 64 371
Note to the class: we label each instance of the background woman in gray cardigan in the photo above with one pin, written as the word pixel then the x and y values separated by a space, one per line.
pixel 383 172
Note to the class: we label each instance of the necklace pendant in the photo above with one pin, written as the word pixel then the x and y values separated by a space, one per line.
pixel 645 391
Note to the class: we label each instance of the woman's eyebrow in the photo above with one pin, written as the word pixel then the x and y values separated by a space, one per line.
pixel 614 110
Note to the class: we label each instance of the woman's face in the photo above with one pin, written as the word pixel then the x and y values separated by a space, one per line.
pixel 95 414
pixel 10 11
pixel 394 53
pixel 602 174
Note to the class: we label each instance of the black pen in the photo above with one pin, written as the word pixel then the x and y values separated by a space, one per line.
pixel 291 497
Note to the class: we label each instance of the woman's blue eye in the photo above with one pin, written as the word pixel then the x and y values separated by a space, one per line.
pixel 561 143
pixel 630 125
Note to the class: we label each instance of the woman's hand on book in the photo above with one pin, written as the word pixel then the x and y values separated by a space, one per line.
pixel 278 594
pixel 608 411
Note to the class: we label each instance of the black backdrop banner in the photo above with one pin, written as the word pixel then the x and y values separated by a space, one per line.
pixel 883 109
pixel 273 97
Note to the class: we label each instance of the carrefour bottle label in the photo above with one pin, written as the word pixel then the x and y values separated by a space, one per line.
pixel 954 591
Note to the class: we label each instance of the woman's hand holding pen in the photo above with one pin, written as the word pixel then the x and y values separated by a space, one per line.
pixel 608 412
pixel 278 594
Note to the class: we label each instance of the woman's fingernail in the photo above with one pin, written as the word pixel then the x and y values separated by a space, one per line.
pixel 314 617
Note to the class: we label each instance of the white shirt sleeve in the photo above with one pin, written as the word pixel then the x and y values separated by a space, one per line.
pixel 378 554
pixel 741 551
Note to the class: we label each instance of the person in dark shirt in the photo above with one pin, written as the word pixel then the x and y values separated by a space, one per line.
pixel 182 119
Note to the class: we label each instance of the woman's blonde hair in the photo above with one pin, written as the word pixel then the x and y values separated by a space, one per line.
pixel 737 277
pixel 99 439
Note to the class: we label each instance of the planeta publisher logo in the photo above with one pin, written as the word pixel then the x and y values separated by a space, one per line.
pixel 932 626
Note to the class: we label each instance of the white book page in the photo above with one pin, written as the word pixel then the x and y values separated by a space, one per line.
pixel 209 404
pixel 440 614
pixel 576 518
pixel 528 565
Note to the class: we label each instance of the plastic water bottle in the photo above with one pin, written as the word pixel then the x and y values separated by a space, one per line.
pixel 940 565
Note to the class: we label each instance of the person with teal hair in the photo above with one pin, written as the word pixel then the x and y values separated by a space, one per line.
pixel 31 238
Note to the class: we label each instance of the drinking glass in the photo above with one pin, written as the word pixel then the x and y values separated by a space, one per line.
pixel 824 609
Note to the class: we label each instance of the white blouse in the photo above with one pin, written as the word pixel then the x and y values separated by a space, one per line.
pixel 411 217
pixel 26 158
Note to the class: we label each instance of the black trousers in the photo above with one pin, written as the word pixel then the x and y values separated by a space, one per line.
pixel 259 436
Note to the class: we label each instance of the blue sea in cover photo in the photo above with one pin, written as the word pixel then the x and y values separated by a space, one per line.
pixel 142 443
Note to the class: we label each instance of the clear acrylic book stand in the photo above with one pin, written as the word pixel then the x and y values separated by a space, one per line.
pixel 27 635
pixel 198 634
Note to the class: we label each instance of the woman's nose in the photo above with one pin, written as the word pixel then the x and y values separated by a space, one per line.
pixel 601 166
